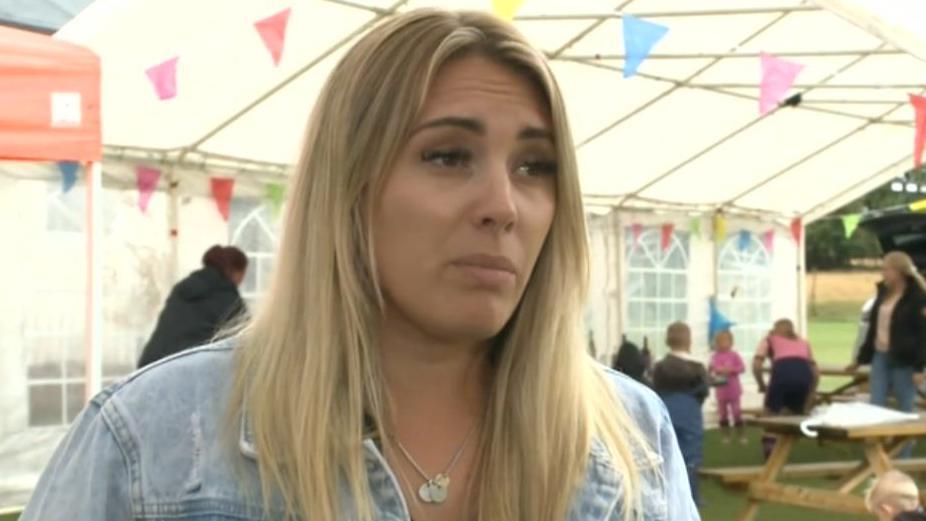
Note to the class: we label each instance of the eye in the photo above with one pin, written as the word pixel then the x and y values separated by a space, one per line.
pixel 538 168
pixel 451 158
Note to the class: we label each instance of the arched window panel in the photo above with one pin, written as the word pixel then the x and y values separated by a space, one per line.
pixel 656 285
pixel 253 229
pixel 744 281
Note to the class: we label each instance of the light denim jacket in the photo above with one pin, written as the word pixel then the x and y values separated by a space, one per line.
pixel 151 447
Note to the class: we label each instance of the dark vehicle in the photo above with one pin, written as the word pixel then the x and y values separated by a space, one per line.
pixel 897 228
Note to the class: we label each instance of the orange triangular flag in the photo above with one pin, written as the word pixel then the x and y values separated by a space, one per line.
pixel 272 31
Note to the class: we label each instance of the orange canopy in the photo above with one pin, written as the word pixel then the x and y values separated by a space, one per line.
pixel 49 99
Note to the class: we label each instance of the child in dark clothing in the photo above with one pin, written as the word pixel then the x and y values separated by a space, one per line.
pixel 681 380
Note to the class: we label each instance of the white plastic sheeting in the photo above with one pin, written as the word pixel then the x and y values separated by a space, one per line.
pixel 685 133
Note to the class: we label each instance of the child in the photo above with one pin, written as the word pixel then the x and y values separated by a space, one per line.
pixel 681 381
pixel 726 364
pixel 894 497
pixel 794 373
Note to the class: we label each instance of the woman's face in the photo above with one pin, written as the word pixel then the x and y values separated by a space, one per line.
pixel 466 207
pixel 892 277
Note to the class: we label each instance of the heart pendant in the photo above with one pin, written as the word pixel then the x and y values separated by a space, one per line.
pixel 438 492
pixel 424 492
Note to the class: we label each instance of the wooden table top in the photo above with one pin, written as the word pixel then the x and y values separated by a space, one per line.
pixel 792 425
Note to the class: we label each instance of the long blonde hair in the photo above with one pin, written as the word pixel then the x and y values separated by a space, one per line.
pixel 307 368
pixel 903 264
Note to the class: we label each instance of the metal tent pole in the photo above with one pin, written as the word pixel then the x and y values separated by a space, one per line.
pixel 93 325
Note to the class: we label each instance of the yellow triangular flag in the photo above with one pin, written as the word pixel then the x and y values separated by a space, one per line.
pixel 506 9
pixel 918 206
pixel 720 227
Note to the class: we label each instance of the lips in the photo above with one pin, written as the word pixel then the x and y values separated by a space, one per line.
pixel 488 262
pixel 488 271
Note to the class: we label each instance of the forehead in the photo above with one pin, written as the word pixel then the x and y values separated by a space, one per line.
pixel 478 85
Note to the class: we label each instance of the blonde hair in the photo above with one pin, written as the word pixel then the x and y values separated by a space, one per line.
pixel 307 369
pixel 893 488
pixel 903 264
pixel 677 334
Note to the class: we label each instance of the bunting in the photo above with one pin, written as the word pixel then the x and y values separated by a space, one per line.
pixel 667 230
pixel 146 179
pixel 68 171
pixel 636 230
pixel 850 223
pixel 640 37
pixel 275 193
pixel 919 139
pixel 695 227
pixel 272 31
pixel 797 229
pixel 720 228
pixel 506 9
pixel 163 78
pixel 777 78
pixel 744 240
pixel 222 189
pixel 768 240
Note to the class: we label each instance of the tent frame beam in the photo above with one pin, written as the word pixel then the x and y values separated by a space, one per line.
pixel 808 157
pixel 878 177
pixel 735 54
pixel 668 14
pixel 755 121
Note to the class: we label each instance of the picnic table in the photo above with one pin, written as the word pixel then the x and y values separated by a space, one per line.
pixel 881 443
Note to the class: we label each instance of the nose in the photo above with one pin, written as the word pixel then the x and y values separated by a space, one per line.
pixel 496 209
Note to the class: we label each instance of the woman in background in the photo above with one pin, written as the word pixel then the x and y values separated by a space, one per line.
pixel 199 305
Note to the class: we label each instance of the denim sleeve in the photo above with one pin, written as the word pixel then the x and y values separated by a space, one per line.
pixel 87 477
pixel 678 492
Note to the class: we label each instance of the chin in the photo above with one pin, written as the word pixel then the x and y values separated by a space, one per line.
pixel 482 323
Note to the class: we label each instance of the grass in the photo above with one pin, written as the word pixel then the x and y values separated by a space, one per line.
pixel 10 517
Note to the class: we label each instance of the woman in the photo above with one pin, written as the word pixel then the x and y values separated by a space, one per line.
pixel 420 353
pixel 794 374
pixel 895 344
pixel 199 305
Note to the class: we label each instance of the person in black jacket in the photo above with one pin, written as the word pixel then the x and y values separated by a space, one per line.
pixel 199 305
pixel 895 345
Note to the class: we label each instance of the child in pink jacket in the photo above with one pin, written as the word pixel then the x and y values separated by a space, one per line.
pixel 727 364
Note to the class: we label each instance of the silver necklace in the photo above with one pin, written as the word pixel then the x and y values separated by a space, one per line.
pixel 434 490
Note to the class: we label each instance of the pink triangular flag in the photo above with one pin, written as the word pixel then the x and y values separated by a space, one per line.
pixel 163 77
pixel 222 189
pixel 919 107
pixel 272 31
pixel 146 179
pixel 667 230
pixel 636 230
pixel 777 77
pixel 768 239
pixel 797 229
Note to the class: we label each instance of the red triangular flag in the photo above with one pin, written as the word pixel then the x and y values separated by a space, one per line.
pixel 919 107
pixel 797 229
pixel 667 230
pixel 636 230
pixel 146 179
pixel 222 189
pixel 272 31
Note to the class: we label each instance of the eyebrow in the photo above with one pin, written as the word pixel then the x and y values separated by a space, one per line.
pixel 477 127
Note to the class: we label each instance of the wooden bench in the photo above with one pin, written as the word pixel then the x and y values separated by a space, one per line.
pixel 741 476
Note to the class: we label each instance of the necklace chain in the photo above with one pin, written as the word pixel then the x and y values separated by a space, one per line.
pixel 434 489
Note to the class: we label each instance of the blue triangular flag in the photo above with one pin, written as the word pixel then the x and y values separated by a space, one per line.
pixel 639 38
pixel 68 174
pixel 718 321
pixel 745 239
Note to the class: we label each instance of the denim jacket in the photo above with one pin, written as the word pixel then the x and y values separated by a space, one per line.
pixel 152 447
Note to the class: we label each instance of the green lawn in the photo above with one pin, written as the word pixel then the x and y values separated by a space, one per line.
pixel 11 517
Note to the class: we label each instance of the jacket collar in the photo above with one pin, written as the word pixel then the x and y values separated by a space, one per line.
pixel 597 497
